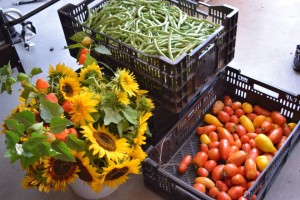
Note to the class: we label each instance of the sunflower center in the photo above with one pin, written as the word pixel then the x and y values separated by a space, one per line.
pixel 105 141
pixel 116 173
pixel 67 89
pixel 84 173
pixel 61 168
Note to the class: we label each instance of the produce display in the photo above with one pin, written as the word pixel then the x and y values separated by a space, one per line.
pixel 237 142
pixel 151 26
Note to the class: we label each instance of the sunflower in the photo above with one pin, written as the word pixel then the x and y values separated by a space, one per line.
pixel 116 173
pixel 137 153
pixel 88 173
pixel 60 173
pixel 127 82
pixel 92 70
pixel 105 143
pixel 61 70
pixel 143 125
pixel 69 87
pixel 34 178
pixel 83 105
pixel 123 98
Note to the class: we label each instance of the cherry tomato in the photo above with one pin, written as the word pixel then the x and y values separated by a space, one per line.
pixel 204 147
pixel 214 144
pixel 251 116
pixel 275 135
pixel 266 126
pixel 205 129
pixel 252 135
pixel 229 110
pixel 222 186
pixel 281 142
pixel 214 154
pixel 246 147
pixel 238 143
pixel 230 126
pixel 207 182
pixel 241 170
pixel 286 130
pixel 200 187
pixel 213 136
pixel 227 100
pixel 233 149
pixel 210 165
pixel 235 192
pixel 239 180
pixel 236 105
pixel 217 172
pixel 223 116
pixel 253 153
pixel 250 168
pixel 239 112
pixel 234 119
pixel 240 130
pixel 213 192
pixel 245 139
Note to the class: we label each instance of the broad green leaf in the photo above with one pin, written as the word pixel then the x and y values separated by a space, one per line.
pixel 74 143
pixel 77 37
pixel 13 125
pixel 25 117
pixel 6 69
pixel 28 88
pixel 111 116
pixel 31 95
pixel 12 154
pixel 50 110
pixel 22 77
pixel 122 126
pixel 58 124
pixel 35 71
pixel 130 114
pixel 89 60
pixel 37 137
pixel 37 127
pixel 64 151
pixel 75 46
pixel 102 50
pixel 11 139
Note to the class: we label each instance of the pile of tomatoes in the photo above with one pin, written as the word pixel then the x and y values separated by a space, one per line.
pixel 237 143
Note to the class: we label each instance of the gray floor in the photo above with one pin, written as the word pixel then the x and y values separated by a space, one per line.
pixel 268 32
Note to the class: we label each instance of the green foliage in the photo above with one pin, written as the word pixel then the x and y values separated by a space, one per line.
pixel 50 110
pixel 58 124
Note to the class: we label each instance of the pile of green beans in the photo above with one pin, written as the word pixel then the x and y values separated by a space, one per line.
pixel 151 26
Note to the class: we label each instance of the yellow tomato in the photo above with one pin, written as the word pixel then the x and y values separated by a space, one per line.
pixel 247 107
pixel 247 123
pixel 258 120
pixel 292 125
pixel 264 143
pixel 262 162
pixel 204 138
pixel 211 119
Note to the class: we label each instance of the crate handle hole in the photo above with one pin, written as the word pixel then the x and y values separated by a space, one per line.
pixel 265 91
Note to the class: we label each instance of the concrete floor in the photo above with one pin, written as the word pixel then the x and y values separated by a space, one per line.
pixel 268 32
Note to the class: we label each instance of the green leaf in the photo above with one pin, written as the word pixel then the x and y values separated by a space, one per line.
pixel 77 45
pixel 11 139
pixel 25 117
pixel 30 96
pixel 74 143
pixel 64 151
pixel 89 60
pixel 6 69
pixel 77 37
pixel 37 137
pixel 58 124
pixel 12 154
pixel 22 77
pixel 35 71
pixel 37 127
pixel 28 88
pixel 122 126
pixel 130 114
pixel 102 50
pixel 111 116
pixel 13 125
pixel 50 110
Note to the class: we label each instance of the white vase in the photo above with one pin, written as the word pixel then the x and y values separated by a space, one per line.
pixel 83 190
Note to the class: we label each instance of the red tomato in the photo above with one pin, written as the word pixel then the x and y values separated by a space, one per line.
pixel 204 147
pixel 252 143
pixel 266 126
pixel 238 143
pixel 213 136
pixel 250 168
pixel 227 101
pixel 210 165
pixel 214 144
pixel 245 139
pixel 287 130
pixel 239 112
pixel 223 116
pixel 236 105
pixel 241 170
pixel 261 111
pixel 214 154
pixel 233 149
pixel 227 181
pixel 278 118
pixel 200 158
pixel 230 126
pixel 235 192
pixel 239 180
pixel 213 192
pixel 235 136
pixel 205 129
pixel 258 130
pixel 201 171
pixel 251 116
pixel 229 110
pixel 225 134
pixel 200 187
pixel 184 164
pixel 234 119
pixel 253 153
pixel 217 172
pixel 223 196
pixel 275 135
pixel 222 186
pixel 246 147
pixel 240 130
pixel 230 170
pixel 224 148
pixel 281 142
pixel 238 158
pixel 252 135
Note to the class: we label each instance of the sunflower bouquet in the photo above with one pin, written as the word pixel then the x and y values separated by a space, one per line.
pixel 76 125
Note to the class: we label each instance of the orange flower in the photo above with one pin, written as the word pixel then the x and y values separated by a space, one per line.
pixel 41 84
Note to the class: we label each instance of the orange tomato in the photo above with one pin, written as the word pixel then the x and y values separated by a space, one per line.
pixel 286 130
pixel 258 120
pixel 236 105
pixel 233 149
pixel 205 129
pixel 225 134
pixel 239 112
pixel 229 110
pixel 234 119
pixel 201 171
pixel 235 192
pixel 217 172
pixel 253 153
pixel 230 170
pixel 246 147
pixel 213 136
pixel 224 148
pixel 266 126
pixel 223 196
pixel 275 135
pixel 204 147
pixel 214 154
pixel 214 144
pixel 251 116
pixel 281 142
pixel 210 165
pixel 237 158
pixel 200 187
pixel 230 126
pixel 223 116
pixel 207 182
pixel 278 118
pixel 227 100
pixel 250 168
pixel 222 186
pixel 213 192
pixel 239 180
pixel 240 130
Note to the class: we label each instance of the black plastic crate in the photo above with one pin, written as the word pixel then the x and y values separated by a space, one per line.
pixel 160 169
pixel 173 84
